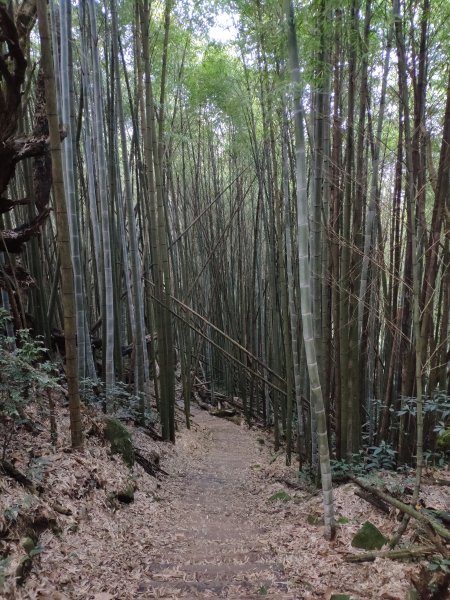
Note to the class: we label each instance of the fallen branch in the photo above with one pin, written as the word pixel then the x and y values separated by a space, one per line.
pixel 374 500
pixel 149 467
pixel 413 552
pixel 445 482
pixel 61 509
pixel 203 405
pixel 223 412
pixel 10 469
pixel 290 484
pixel 406 508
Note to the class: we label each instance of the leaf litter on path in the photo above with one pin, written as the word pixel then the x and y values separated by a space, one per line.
pixel 209 530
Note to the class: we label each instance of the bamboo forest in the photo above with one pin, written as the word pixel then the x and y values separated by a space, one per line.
pixel 225 299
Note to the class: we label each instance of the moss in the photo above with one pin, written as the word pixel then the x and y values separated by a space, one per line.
pixel 120 440
pixel 343 521
pixel 27 544
pixel 369 538
pixel 281 496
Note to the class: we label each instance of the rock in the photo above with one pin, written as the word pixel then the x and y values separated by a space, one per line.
pixel 126 496
pixel 340 597
pixel 120 440
pixel 236 419
pixel 154 457
pixel 369 538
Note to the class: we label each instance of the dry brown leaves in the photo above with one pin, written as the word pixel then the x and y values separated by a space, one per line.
pixel 207 531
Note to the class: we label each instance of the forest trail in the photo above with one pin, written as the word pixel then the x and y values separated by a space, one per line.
pixel 210 529
pixel 219 545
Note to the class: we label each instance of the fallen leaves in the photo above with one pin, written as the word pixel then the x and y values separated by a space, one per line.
pixel 206 531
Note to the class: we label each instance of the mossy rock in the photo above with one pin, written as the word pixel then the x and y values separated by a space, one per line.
pixel 27 544
pixel 369 538
pixel 120 440
pixel 280 496
pixel 340 597
pixel 443 441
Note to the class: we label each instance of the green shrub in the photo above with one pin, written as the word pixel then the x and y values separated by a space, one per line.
pixel 25 376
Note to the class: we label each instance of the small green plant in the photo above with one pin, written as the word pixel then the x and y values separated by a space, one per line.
pixel 263 591
pixel 343 521
pixel 341 469
pixel 382 457
pixel 435 407
pixel 4 563
pixel 118 400
pixel 439 564
pixel 25 376
pixel 435 459
pixel 365 461
pixel 12 512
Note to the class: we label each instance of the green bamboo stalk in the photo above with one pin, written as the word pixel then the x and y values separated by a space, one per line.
pixel 305 276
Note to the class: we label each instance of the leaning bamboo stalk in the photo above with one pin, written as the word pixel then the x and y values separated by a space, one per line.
pixel 305 278
pixel 406 509
pixel 224 352
pixel 229 339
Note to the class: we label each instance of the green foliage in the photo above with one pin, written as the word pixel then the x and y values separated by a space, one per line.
pixel 216 81
pixel 263 591
pixel 443 441
pixel 343 520
pixel 341 469
pixel 119 399
pixel 382 456
pixel 438 405
pixel 12 512
pixel 439 564
pixel 27 544
pixel 280 496
pixel 4 563
pixel 25 376
pixel 436 458
pixel 120 439
pixel 437 408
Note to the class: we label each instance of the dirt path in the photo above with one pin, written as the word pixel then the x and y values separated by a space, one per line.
pixel 209 530
pixel 221 547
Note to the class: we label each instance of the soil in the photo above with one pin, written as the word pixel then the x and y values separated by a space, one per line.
pixel 211 529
